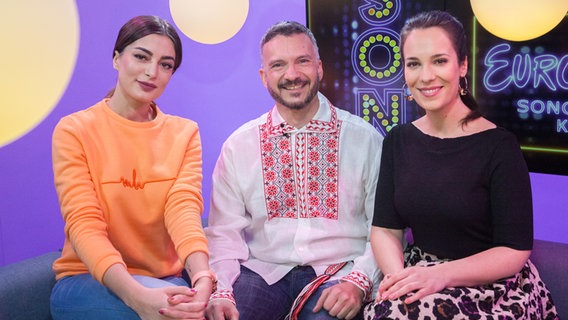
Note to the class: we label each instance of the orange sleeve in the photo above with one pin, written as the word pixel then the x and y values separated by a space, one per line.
pixel 85 227
pixel 184 203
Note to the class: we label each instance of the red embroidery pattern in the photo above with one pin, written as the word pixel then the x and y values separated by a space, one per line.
pixel 223 294
pixel 301 181
pixel 361 281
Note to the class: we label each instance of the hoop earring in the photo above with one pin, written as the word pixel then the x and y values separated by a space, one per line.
pixel 406 92
pixel 463 90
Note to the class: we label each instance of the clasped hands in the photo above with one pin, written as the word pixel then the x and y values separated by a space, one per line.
pixel 182 303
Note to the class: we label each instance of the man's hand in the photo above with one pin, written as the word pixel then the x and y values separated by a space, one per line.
pixel 221 309
pixel 342 300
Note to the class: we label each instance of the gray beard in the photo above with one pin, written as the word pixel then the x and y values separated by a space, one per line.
pixel 299 105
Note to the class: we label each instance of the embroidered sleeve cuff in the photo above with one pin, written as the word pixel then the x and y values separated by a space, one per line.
pixel 362 282
pixel 223 294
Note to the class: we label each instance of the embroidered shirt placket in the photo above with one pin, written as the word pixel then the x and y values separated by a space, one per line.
pixel 301 169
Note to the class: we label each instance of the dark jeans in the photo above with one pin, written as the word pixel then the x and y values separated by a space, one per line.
pixel 256 300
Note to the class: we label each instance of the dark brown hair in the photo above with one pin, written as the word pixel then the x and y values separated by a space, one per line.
pixel 455 31
pixel 141 26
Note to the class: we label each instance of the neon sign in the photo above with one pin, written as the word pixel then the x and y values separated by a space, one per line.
pixel 524 70
pixel 376 59
pixel 529 72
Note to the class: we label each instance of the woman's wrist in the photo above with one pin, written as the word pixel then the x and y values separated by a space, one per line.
pixel 203 276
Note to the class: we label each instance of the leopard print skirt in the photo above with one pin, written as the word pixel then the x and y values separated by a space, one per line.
pixel 521 296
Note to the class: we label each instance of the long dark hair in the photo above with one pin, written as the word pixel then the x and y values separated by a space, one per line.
pixel 141 26
pixel 454 28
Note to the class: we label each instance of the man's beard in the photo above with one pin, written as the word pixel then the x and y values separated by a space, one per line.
pixel 298 105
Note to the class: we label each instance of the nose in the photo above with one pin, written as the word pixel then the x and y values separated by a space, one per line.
pixel 151 70
pixel 291 71
pixel 427 73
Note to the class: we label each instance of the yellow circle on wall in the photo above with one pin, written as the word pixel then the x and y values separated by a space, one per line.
pixel 40 42
pixel 211 21
pixel 519 20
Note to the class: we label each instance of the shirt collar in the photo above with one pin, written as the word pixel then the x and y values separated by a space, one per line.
pixel 325 120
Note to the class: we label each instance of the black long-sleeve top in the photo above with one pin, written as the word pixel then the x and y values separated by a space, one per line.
pixel 459 196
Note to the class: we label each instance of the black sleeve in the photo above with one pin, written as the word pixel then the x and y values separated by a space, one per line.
pixel 385 214
pixel 511 197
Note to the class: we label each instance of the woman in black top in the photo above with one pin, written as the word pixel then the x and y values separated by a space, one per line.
pixel 461 185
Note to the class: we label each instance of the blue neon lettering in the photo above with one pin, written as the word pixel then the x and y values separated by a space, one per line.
pixel 494 67
pixel 522 69
pixel 544 70
pixel 523 106
pixel 542 66
pixel 562 73
pixel 561 126
pixel 548 107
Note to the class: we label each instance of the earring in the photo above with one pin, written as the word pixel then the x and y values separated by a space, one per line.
pixel 406 92
pixel 463 90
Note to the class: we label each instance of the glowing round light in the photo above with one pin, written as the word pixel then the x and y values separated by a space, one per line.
pixel 40 42
pixel 519 20
pixel 211 21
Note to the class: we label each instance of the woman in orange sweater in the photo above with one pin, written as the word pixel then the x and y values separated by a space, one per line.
pixel 128 178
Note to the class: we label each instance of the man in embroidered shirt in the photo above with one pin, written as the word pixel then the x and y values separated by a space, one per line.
pixel 293 193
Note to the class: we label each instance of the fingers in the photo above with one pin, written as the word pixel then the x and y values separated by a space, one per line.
pixel 351 314
pixel 321 300
pixel 220 309
pixel 415 296
pixel 386 282
pixel 182 298
pixel 344 311
pixel 176 314
pixel 342 300
pixel 175 290
pixel 183 304
pixel 395 285
pixel 411 282
pixel 385 287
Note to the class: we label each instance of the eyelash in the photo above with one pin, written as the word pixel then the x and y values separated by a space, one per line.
pixel 436 61
pixel 140 56
pixel 165 65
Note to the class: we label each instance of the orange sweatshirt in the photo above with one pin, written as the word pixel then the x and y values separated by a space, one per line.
pixel 130 192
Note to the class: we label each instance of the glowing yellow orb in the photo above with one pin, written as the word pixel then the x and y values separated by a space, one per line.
pixel 40 42
pixel 211 21
pixel 519 20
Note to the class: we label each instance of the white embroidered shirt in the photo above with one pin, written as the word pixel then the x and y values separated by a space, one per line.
pixel 284 197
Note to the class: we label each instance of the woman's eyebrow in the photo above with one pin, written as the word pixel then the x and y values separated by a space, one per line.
pixel 151 54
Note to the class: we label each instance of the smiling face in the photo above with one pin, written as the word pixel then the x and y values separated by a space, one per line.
pixel 291 70
pixel 144 69
pixel 432 69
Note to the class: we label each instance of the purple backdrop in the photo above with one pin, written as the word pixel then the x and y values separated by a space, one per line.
pixel 217 85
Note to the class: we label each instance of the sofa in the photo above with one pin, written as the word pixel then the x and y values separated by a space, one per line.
pixel 25 286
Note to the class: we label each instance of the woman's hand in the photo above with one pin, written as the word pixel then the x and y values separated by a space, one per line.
pixel 171 302
pixel 160 303
pixel 415 282
pixel 194 303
